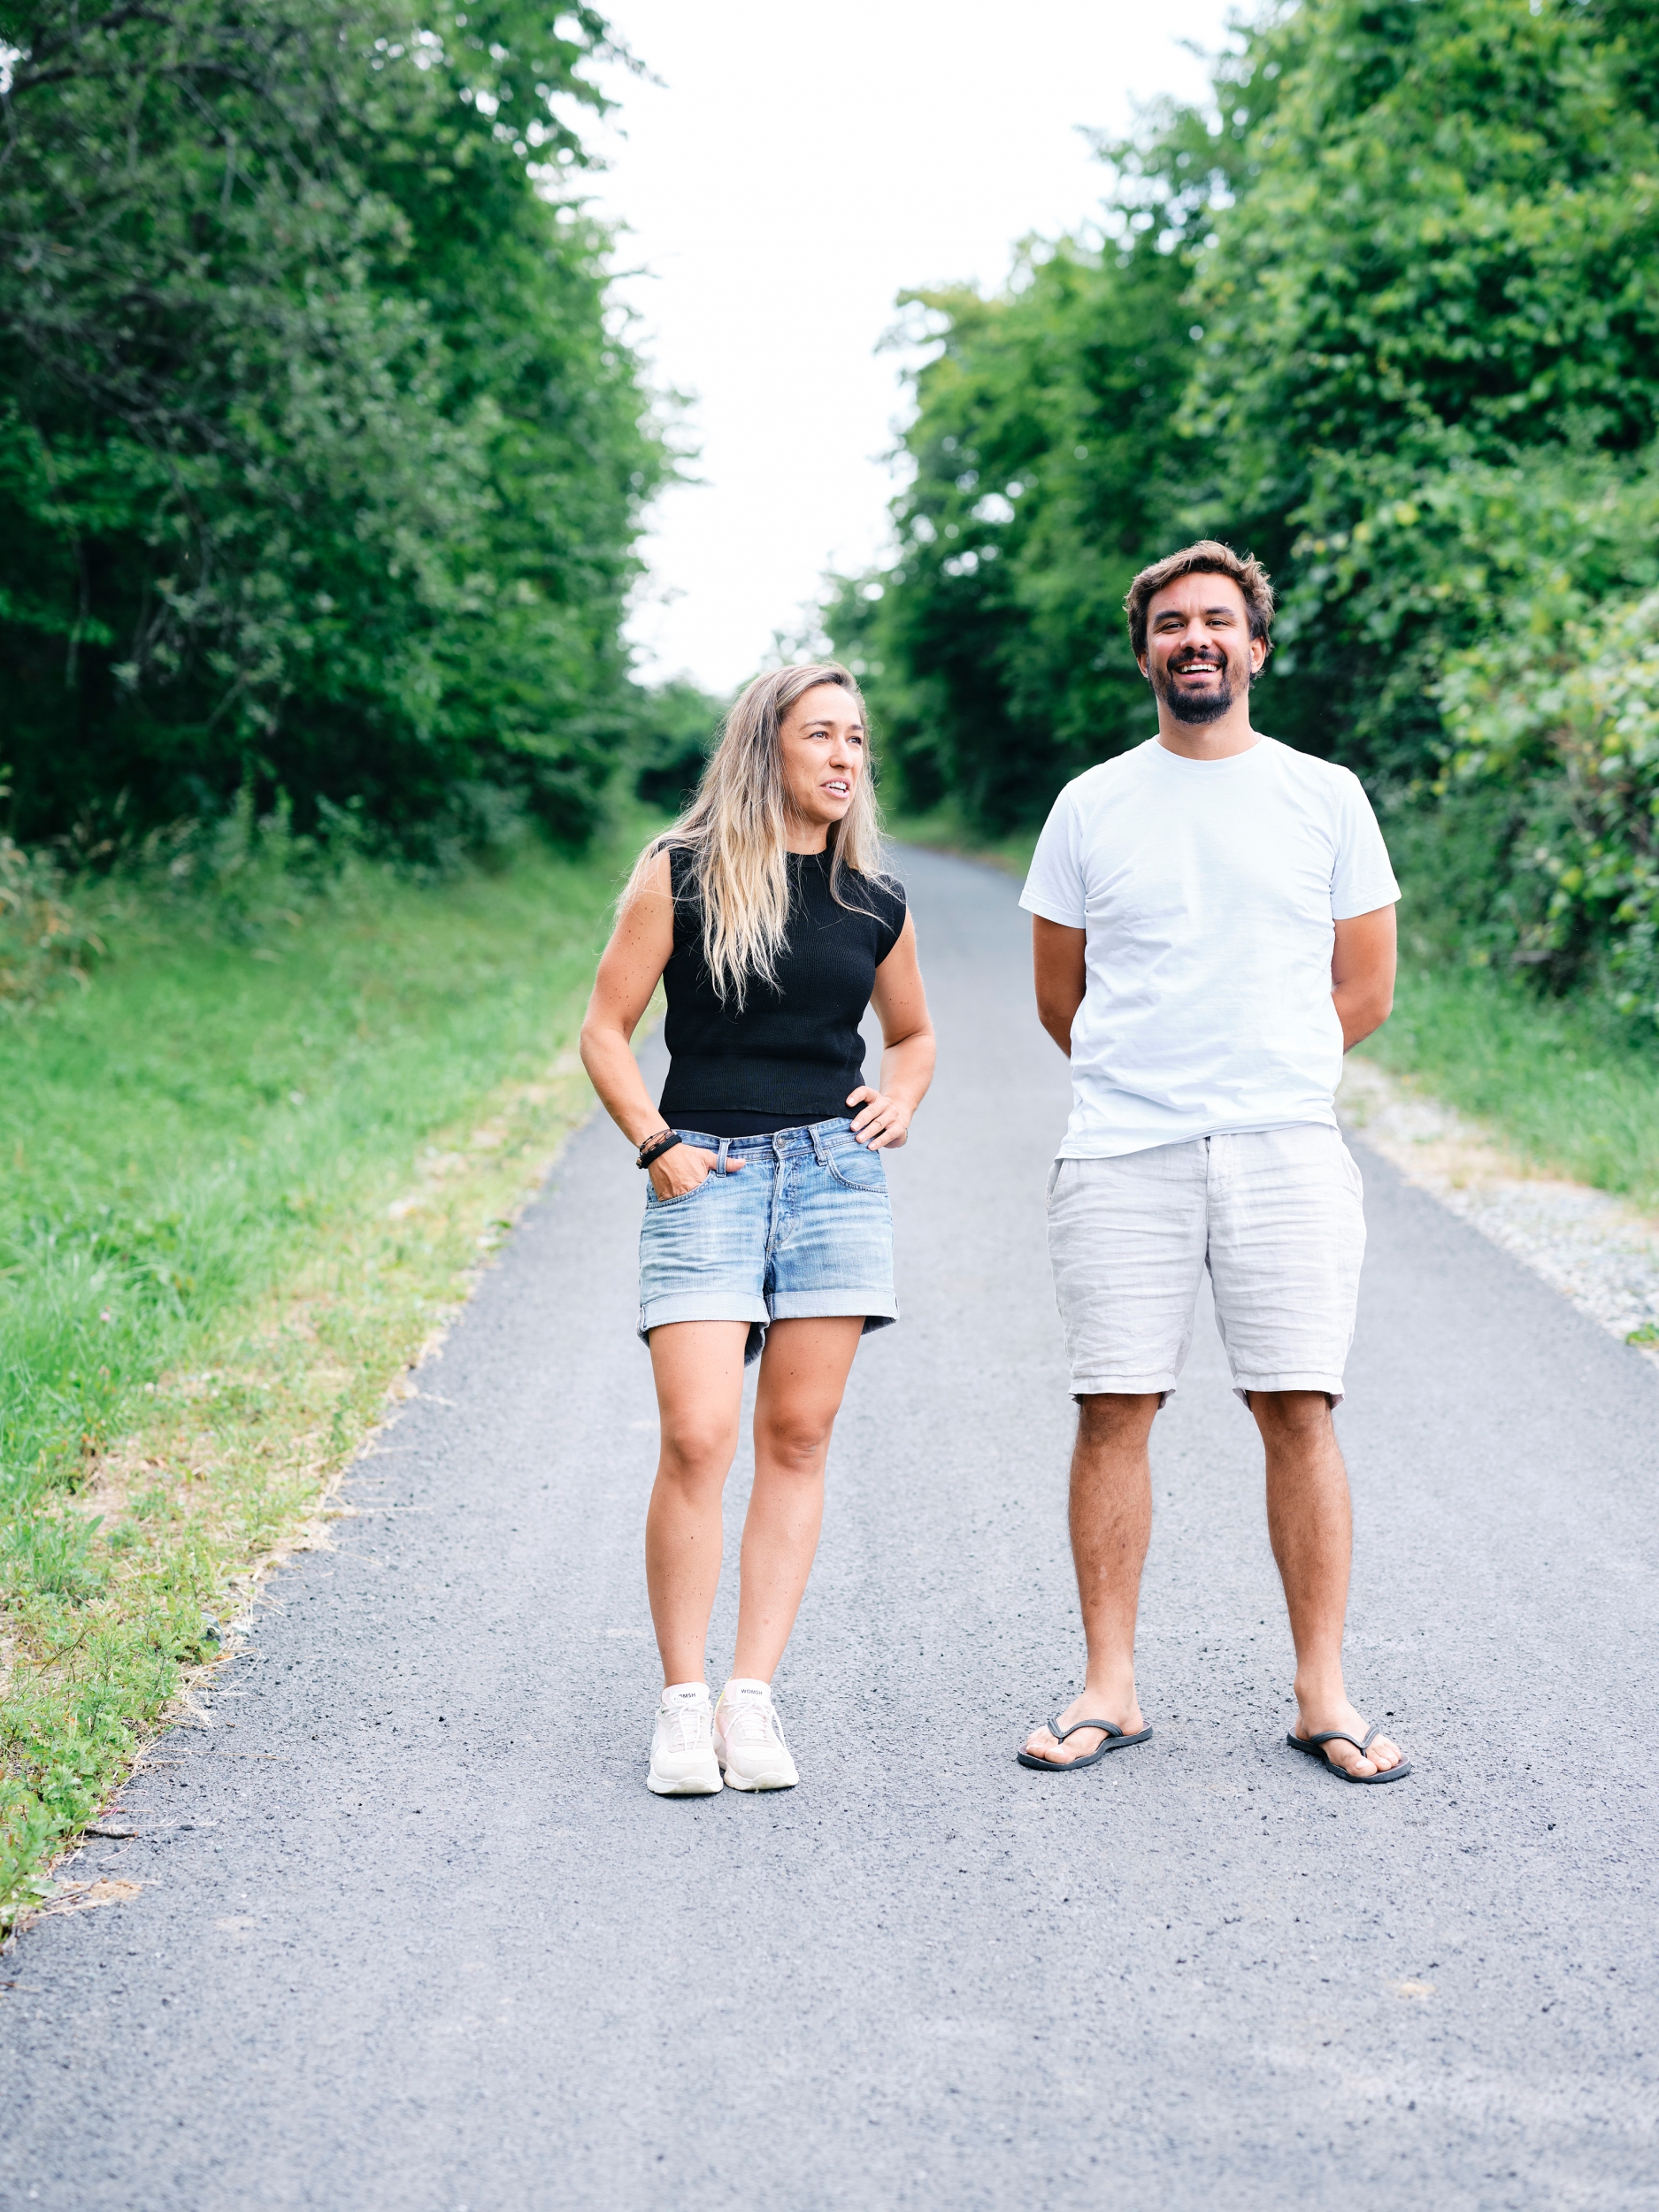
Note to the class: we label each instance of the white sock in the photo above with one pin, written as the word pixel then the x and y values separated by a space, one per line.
pixel 743 1686
pixel 678 1693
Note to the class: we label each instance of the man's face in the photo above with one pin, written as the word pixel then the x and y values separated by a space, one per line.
pixel 1199 654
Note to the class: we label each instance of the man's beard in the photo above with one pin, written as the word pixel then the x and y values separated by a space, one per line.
pixel 1195 708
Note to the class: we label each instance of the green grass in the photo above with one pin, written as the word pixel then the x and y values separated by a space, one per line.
pixel 1551 1078
pixel 244 1183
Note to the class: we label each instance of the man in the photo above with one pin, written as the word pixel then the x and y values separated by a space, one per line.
pixel 1213 926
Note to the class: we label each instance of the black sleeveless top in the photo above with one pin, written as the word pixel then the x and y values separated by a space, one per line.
pixel 794 1052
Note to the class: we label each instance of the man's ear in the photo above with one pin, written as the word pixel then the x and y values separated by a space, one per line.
pixel 1258 654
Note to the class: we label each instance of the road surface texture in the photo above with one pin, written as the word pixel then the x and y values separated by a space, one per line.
pixel 413 1937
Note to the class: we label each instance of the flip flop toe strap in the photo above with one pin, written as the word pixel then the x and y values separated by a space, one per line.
pixel 1340 1735
pixel 1060 1734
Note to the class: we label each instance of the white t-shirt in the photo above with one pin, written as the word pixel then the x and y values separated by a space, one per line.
pixel 1208 889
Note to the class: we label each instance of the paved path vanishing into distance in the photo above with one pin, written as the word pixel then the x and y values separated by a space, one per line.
pixel 413 1937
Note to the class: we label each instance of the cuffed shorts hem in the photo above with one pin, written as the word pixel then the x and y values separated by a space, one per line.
pixel 1124 1387
pixel 702 1306
pixel 1331 1384
pixel 879 1308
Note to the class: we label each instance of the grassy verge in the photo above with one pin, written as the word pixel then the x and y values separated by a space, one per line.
pixel 1549 1077
pixel 1552 1078
pixel 245 1184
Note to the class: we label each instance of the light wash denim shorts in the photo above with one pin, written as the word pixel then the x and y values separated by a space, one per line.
pixel 1278 1218
pixel 802 1230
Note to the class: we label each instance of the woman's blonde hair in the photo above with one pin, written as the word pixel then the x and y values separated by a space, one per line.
pixel 735 831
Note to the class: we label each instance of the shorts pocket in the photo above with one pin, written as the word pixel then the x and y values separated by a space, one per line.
pixel 654 1204
pixel 856 1165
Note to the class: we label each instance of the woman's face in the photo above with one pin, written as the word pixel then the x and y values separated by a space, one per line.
pixel 823 748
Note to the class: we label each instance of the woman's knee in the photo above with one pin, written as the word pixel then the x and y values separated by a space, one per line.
pixel 697 1451
pixel 795 1438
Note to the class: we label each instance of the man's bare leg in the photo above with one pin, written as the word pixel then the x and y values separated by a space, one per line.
pixel 1311 1527
pixel 1112 1524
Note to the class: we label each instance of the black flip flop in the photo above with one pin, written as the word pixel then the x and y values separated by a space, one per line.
pixel 1116 1740
pixel 1314 1745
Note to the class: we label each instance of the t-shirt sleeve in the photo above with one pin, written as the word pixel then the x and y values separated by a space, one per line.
pixel 1054 888
pixel 891 909
pixel 1361 879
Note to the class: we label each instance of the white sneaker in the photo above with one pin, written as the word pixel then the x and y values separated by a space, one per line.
pixel 749 1740
pixel 683 1763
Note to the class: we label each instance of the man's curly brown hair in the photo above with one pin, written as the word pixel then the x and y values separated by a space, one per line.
pixel 1208 557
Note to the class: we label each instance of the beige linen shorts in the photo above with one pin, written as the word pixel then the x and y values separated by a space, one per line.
pixel 1276 1214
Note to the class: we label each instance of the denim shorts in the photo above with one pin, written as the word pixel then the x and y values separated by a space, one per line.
pixel 800 1230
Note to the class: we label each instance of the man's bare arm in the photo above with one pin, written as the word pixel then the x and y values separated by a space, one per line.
pixel 1058 960
pixel 1363 974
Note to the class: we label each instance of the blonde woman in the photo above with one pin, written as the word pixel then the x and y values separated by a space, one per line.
pixel 766 917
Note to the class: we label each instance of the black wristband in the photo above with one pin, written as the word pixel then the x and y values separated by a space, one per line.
pixel 654 1147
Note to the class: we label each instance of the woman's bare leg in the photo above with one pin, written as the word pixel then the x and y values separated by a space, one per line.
pixel 803 1374
pixel 699 1370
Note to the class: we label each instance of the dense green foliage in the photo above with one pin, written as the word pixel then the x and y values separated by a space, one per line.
pixel 677 726
pixel 1389 317
pixel 319 456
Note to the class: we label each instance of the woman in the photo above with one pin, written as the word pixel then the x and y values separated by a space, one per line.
pixel 766 1233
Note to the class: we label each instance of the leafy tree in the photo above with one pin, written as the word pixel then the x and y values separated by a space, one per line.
pixel 678 724
pixel 1441 257
pixel 320 465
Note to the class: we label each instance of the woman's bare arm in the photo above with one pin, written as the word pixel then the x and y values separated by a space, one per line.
pixel 630 969
pixel 881 1118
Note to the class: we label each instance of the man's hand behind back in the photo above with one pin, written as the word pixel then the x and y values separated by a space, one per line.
pixel 1363 974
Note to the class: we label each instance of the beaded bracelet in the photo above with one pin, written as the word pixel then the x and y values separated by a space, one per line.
pixel 654 1147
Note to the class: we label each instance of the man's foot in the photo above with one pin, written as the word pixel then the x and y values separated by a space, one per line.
pixel 1377 1759
pixel 1041 1742
pixel 682 1746
pixel 749 1739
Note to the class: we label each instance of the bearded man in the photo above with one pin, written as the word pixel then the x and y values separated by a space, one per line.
pixel 1213 926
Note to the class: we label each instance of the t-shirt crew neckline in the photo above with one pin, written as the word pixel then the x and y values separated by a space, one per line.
pixel 1228 760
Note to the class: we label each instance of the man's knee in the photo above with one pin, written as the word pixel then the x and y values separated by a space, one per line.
pixel 1292 1415
pixel 1115 1417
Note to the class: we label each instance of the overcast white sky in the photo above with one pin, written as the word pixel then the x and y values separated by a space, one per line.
pixel 796 168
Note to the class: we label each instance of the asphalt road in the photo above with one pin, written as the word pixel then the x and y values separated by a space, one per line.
pixel 414 1938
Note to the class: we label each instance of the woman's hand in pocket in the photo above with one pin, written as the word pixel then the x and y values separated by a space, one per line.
pixel 880 1122
pixel 682 1167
